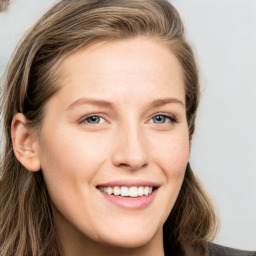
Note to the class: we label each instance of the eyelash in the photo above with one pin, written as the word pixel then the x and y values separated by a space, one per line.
pixel 85 119
pixel 171 118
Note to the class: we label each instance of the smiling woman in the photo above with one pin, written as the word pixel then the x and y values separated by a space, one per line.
pixel 132 140
pixel 99 107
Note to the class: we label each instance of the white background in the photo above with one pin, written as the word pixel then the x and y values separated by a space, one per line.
pixel 223 34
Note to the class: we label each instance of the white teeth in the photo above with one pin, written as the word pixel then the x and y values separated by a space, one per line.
pixel 117 191
pixel 133 191
pixel 127 191
pixel 109 190
pixel 140 191
pixel 146 191
pixel 124 191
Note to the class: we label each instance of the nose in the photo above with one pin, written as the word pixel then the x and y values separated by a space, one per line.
pixel 130 149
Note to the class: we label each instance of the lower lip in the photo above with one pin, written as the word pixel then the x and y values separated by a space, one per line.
pixel 131 203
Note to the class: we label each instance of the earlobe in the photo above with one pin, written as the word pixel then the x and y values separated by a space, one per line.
pixel 24 144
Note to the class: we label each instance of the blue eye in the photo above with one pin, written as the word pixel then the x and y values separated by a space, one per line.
pixel 94 119
pixel 161 119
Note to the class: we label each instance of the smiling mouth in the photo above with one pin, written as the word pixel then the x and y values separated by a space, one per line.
pixel 123 191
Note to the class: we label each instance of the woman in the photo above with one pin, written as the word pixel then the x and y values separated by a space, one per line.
pixel 99 107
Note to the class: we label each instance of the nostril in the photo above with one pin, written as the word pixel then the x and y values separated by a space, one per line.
pixel 133 165
pixel 129 158
pixel 124 165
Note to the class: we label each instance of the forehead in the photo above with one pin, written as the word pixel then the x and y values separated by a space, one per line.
pixel 132 66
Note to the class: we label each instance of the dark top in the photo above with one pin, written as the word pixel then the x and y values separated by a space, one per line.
pixel 214 250
pixel 218 250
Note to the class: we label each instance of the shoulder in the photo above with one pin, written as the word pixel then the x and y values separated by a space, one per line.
pixel 219 250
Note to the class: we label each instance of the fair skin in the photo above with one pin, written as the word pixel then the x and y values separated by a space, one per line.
pixel 119 119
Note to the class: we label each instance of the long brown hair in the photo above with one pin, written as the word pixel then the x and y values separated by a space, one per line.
pixel 26 221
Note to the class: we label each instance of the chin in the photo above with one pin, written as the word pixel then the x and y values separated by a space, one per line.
pixel 129 243
pixel 130 238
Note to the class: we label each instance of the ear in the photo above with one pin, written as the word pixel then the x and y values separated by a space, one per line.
pixel 24 144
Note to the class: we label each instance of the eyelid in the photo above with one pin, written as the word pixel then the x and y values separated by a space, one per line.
pixel 166 114
pixel 83 119
pixel 172 117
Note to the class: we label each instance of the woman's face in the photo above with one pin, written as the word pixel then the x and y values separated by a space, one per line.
pixel 117 125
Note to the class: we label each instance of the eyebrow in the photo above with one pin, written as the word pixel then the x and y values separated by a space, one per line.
pixel 107 104
pixel 91 101
pixel 164 101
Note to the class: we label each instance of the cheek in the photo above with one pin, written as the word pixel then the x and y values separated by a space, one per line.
pixel 69 165
pixel 70 153
pixel 68 162
pixel 172 154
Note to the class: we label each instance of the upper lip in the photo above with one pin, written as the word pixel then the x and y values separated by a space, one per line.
pixel 129 183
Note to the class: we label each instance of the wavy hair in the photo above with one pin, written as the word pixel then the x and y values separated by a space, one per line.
pixel 26 221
